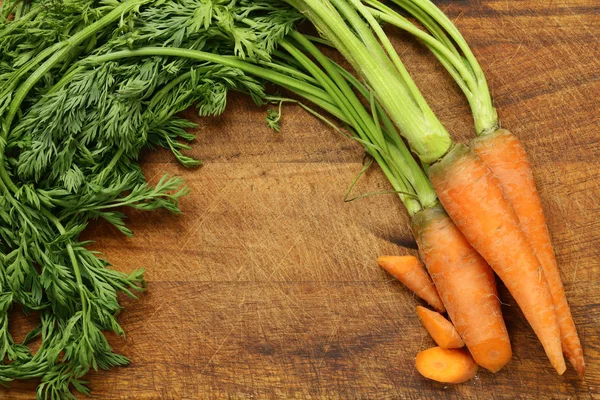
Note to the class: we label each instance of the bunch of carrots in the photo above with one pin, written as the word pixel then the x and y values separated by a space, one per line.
pixel 475 211
pixel 488 192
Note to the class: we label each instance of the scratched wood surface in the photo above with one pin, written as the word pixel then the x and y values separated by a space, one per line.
pixel 267 286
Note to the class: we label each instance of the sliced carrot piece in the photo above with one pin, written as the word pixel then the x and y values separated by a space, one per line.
pixel 440 329
pixel 446 365
pixel 410 271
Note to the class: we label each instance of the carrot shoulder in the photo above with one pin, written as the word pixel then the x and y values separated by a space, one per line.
pixel 475 202
pixel 410 271
pixel 446 365
pixel 504 155
pixel 440 329
pixel 467 286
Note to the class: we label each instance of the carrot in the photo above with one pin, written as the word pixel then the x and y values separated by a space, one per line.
pixel 474 200
pixel 446 365
pixel 410 271
pixel 466 285
pixel 506 158
pixel 441 330
pixel 501 150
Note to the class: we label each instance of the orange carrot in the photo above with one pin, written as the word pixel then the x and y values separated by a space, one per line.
pixel 410 271
pixel 466 285
pixel 440 329
pixel 506 158
pixel 446 365
pixel 474 200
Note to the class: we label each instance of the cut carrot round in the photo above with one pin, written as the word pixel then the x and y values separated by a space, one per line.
pixel 440 329
pixel 446 365
pixel 410 271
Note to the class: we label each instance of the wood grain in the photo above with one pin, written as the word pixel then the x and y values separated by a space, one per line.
pixel 267 286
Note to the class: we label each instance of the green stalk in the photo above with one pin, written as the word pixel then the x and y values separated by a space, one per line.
pixel 104 173
pixel 15 78
pixel 428 22
pixel 434 20
pixel 417 177
pixel 356 116
pixel 289 60
pixel 400 157
pixel 198 55
pixel 453 63
pixel 337 86
pixel 366 36
pixel 389 49
pixel 331 108
pixel 66 78
pixel 360 120
pixel 425 134
pixel 167 88
pixel 290 71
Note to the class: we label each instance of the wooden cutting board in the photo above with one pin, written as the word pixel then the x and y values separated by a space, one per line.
pixel 267 286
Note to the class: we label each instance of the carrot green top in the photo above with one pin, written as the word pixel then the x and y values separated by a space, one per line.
pixel 443 39
pixel 353 30
pixel 329 87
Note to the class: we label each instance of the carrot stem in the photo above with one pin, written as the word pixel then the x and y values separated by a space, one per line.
pixel 393 88
pixel 454 59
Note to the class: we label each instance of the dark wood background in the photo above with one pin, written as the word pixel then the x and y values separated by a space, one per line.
pixel 267 286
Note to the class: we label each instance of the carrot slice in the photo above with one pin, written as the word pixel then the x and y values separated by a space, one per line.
pixel 505 157
pixel 474 200
pixel 446 365
pixel 410 271
pixel 467 286
pixel 440 329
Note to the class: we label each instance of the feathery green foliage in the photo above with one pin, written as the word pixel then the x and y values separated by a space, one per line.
pixel 70 138
pixel 87 85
